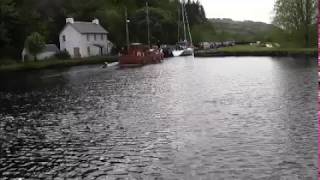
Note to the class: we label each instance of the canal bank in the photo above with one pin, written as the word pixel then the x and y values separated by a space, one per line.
pixel 50 64
pixel 257 51
pixel 221 52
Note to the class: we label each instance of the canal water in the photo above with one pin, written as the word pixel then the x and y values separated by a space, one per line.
pixel 203 118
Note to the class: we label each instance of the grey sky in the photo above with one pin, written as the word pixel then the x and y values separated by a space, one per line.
pixel 255 10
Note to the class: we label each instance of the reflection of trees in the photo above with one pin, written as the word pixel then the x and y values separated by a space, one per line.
pixel 24 82
pixel 298 118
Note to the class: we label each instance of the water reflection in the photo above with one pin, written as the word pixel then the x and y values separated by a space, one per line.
pixel 225 118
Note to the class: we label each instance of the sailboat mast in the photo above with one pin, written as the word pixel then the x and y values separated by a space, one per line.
pixel 127 28
pixel 183 21
pixel 188 26
pixel 148 24
pixel 178 24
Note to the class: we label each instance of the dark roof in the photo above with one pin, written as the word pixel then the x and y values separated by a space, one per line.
pixel 88 27
pixel 50 48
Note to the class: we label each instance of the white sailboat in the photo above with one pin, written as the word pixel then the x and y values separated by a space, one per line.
pixel 185 47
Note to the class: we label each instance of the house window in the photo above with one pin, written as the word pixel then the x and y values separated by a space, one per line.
pixel 64 38
pixel 88 37
pixel 101 37
pixel 89 51
pixel 95 37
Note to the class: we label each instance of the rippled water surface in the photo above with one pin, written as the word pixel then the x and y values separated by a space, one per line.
pixel 207 118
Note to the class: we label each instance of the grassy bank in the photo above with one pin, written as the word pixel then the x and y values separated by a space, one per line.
pixel 54 63
pixel 246 50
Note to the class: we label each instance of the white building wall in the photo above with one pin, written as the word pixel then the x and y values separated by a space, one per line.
pixel 73 40
pixel 94 50
pixel 84 45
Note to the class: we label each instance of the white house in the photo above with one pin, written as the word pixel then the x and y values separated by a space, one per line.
pixel 84 39
pixel 48 51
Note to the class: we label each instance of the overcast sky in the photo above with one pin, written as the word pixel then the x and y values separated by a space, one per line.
pixel 255 10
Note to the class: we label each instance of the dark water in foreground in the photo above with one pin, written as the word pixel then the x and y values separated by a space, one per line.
pixel 210 118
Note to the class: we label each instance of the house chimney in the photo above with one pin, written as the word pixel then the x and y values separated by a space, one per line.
pixel 69 20
pixel 95 21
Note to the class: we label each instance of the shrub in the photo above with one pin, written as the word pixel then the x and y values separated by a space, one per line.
pixel 63 55
pixel 114 51
pixel 7 61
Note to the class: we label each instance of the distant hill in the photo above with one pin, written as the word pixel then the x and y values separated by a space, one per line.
pixel 242 30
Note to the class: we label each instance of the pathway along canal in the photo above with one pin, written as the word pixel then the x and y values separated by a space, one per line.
pixel 208 118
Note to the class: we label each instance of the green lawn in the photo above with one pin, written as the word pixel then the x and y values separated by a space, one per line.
pixel 53 63
pixel 242 48
pixel 247 50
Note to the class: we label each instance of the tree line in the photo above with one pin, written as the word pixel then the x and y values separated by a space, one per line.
pixel 295 21
pixel 20 18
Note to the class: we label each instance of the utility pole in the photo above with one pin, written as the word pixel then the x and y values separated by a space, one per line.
pixel 127 29
pixel 148 24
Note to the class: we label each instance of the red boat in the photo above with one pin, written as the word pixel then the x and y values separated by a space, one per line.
pixel 139 55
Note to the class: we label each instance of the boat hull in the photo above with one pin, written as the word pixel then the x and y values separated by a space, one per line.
pixel 132 60
pixel 177 53
pixel 184 52
pixel 129 60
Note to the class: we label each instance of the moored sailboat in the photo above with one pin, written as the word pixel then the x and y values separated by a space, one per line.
pixel 185 47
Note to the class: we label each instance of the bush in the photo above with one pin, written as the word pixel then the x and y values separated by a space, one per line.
pixel 63 55
pixel 35 44
pixel 114 50
pixel 7 61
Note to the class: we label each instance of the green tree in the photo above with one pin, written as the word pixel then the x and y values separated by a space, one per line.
pixel 204 32
pixel 7 15
pixel 113 20
pixel 162 25
pixel 296 17
pixel 35 44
